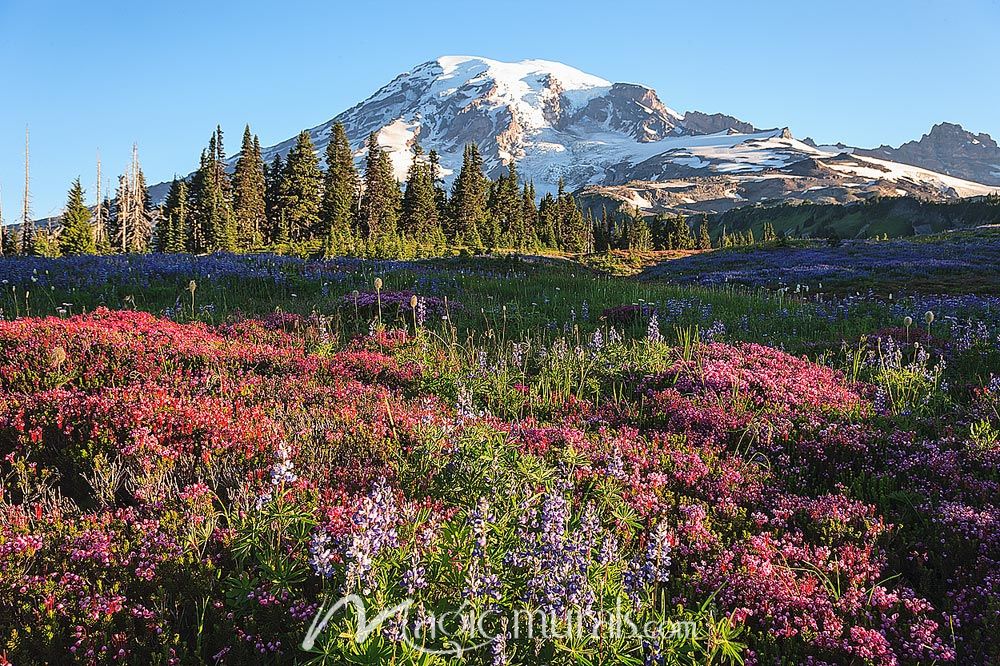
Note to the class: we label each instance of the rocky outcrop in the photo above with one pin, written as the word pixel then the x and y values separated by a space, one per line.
pixel 949 149
pixel 697 122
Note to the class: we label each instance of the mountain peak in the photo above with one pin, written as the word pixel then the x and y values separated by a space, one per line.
pixel 951 149
pixel 571 78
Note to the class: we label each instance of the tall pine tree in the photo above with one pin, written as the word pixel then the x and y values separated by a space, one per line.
pixel 380 203
pixel 419 221
pixel 77 236
pixel 507 209
pixel 248 194
pixel 468 200
pixel 301 190
pixel 172 231
pixel 340 195
pixel 273 173
pixel 212 222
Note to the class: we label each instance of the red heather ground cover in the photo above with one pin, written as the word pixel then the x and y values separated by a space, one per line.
pixel 744 451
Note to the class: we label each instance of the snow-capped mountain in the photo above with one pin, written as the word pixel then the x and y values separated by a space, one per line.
pixel 554 120
pixel 614 139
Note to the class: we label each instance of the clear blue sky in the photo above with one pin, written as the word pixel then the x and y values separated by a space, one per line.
pixel 100 75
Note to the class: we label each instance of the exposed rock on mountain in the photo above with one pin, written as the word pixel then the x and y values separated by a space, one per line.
pixel 949 149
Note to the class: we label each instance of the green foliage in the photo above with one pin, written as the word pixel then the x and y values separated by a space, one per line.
pixel 340 195
pixel 419 222
pixel 300 190
pixel 249 189
pixel 468 200
pixel 172 232
pixel 380 204
pixel 77 235
pixel 212 222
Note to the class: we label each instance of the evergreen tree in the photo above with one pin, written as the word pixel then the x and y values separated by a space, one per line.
pixel 573 232
pixel 545 227
pixel 272 199
pixel 301 190
pixel 704 237
pixel 77 236
pixel 248 194
pixel 640 237
pixel 46 245
pixel 212 222
pixel 440 195
pixel 380 203
pixel 419 221
pixel 340 195
pixel 11 241
pixel 529 217
pixel 678 234
pixel 602 232
pixel 174 225
pixel 507 208
pixel 468 200
pixel 768 233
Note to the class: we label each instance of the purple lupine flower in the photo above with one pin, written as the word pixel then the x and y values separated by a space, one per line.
pixel 415 577
pixel 653 329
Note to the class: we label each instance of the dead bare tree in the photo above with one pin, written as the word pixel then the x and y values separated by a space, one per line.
pixel 133 221
pixel 99 214
pixel 27 224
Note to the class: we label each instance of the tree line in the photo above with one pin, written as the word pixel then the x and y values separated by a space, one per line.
pixel 298 204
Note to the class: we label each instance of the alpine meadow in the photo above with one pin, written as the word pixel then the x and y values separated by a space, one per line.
pixel 506 363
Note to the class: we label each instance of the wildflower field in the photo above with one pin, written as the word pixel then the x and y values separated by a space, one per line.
pixel 200 455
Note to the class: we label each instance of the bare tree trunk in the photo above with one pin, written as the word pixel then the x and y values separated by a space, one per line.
pixel 99 219
pixel 26 222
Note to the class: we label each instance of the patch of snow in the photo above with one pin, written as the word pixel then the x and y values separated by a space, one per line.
pixel 870 167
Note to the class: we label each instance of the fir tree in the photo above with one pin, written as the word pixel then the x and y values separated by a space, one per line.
pixel 380 203
pixel 77 236
pixel 419 221
pixel 440 195
pixel 529 216
pixel 340 195
pixel 272 199
pixel 640 238
pixel 546 224
pixel 768 233
pixel 573 232
pixel 212 221
pixel 507 208
pixel 704 237
pixel 301 190
pixel 678 234
pixel 468 200
pixel 248 194
pixel 174 223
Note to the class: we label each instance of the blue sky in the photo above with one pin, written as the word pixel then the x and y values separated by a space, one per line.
pixel 100 75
